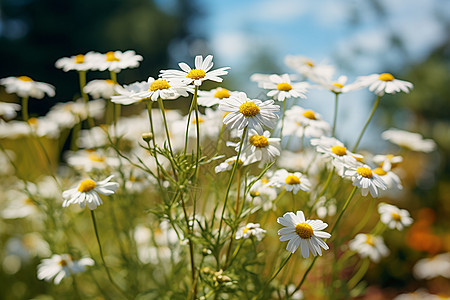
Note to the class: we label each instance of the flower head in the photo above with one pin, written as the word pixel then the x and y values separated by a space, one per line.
pixel 249 230
pixel 290 181
pixel 384 83
pixel 100 88
pixel 80 62
pixel 369 245
pixel 59 266
pixel 249 112
pixel 200 73
pixel 116 61
pixel 87 193
pixel 393 216
pixel 409 140
pixel 262 148
pixel 366 179
pixel 8 110
pixel 24 86
pixel 213 97
pixel 304 233
pixel 281 87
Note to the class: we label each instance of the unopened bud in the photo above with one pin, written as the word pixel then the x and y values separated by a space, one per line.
pixel 148 136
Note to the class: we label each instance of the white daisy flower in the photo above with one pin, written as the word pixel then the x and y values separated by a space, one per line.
pixel 432 267
pixel 384 83
pixel 213 97
pixel 88 160
pixel 8 110
pixel 100 88
pixel 87 193
pixel 304 122
pixel 59 266
pixel 115 61
pixel 24 86
pixel 282 87
pixel 393 216
pixel 420 294
pixel 261 148
pixel 251 229
pixel 150 90
pixel 249 112
pixel 308 68
pixel 263 194
pixel 364 178
pixel 80 62
pixel 409 140
pixel 290 181
pixel 20 205
pixel 368 245
pixel 339 86
pixel 228 164
pixel 199 74
pixel 42 126
pixel 304 233
pixel 67 114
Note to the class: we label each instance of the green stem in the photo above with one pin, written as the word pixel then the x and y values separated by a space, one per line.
pixel 377 101
pixel 161 107
pixel 359 274
pixel 327 183
pixel 343 209
pixel 191 108
pixel 230 181
pixel 274 275
pixel 82 77
pixel 117 107
pixel 103 259
pixel 335 113
pixel 25 109
pixel 282 120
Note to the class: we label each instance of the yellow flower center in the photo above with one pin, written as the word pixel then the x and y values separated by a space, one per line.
pixel 264 181
pixel 339 150
pixel 339 85
pixel 396 217
pixel 386 77
pixel 310 115
pixel 196 74
pixel 245 230
pixel 62 263
pixel 389 156
pixel 29 201
pixel 222 93
pixel 309 63
pixel 369 240
pixel 87 186
pixel 25 78
pixel 95 157
pixel 292 179
pixel 159 85
pixel 110 56
pixel 79 59
pixel 365 172
pixel 109 81
pixel 254 193
pixel 358 158
pixel 380 171
pixel 284 86
pixel 200 120
pixel 304 230
pixel 249 109
pixel 258 141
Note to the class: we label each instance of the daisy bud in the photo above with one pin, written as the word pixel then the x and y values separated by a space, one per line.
pixel 148 136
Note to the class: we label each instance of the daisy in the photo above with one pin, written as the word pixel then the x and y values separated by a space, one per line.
pixel 150 90
pixel 68 114
pixel 393 216
pixel 384 83
pixel 59 266
pixel 198 75
pixel 87 193
pixel 368 245
pixel 339 86
pixel 213 97
pixel 290 181
pixel 80 62
pixel 409 140
pixel 304 122
pixel 8 110
pixel 251 229
pixel 89 160
pixel 390 178
pixel 263 194
pixel 308 68
pixel 262 148
pixel 332 148
pixel 429 268
pixel 249 112
pixel 281 87
pixel 364 178
pixel 20 205
pixel 304 233
pixel 228 164
pixel 100 88
pixel 115 61
pixel 24 86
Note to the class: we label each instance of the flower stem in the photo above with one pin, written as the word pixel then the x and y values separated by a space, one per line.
pixel 327 183
pixel 103 259
pixel 117 107
pixel 82 77
pixel 230 181
pixel 161 107
pixel 336 101
pixel 25 108
pixel 274 275
pixel 193 104
pixel 359 274
pixel 282 120
pixel 238 194
pixel 377 101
